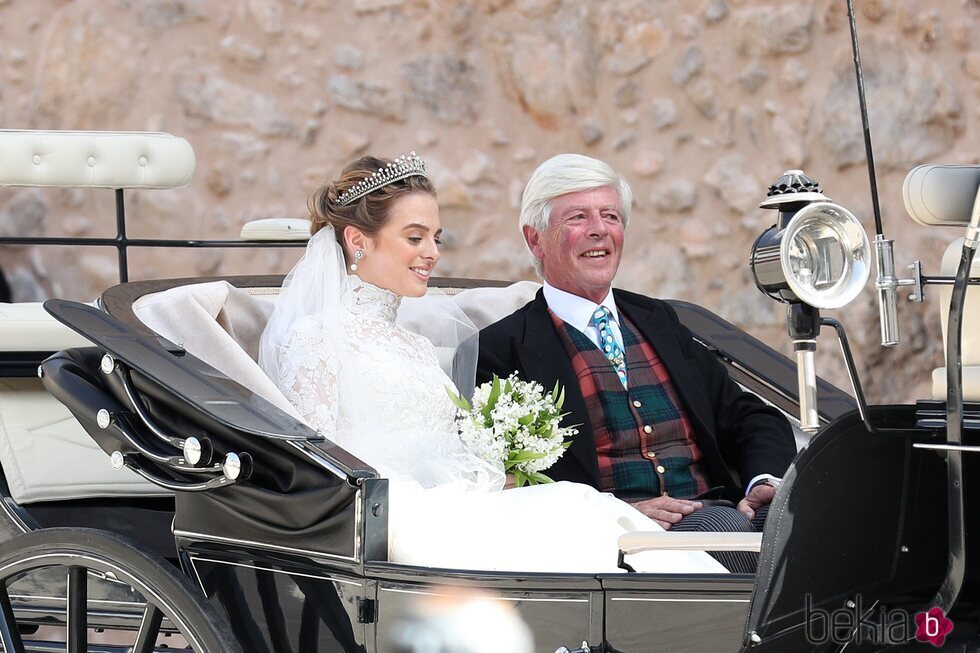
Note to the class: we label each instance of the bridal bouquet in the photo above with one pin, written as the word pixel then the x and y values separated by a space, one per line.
pixel 515 423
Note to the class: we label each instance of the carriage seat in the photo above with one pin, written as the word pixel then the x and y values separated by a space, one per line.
pixel 943 195
pixel 221 324
pixel 45 454
pixel 970 346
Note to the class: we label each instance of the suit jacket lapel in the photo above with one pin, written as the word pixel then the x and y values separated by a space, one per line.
pixel 543 357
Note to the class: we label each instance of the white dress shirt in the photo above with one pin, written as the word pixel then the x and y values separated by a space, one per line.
pixel 578 311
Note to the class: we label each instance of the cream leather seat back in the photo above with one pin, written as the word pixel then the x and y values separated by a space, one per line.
pixel 943 196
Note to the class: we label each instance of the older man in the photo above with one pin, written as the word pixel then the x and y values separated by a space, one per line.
pixel 663 425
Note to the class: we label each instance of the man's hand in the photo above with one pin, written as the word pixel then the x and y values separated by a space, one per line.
pixel 760 495
pixel 667 511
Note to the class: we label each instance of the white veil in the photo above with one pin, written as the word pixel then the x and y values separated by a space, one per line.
pixel 313 287
pixel 452 333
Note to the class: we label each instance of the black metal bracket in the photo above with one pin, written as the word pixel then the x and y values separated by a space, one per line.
pixel 622 564
pixel 132 462
pixel 367 611
pixel 845 347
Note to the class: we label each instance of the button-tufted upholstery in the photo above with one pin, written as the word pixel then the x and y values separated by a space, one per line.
pixel 94 159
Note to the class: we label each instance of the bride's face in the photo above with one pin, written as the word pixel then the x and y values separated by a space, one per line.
pixel 402 254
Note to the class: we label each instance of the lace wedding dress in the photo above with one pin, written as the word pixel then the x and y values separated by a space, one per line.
pixel 377 390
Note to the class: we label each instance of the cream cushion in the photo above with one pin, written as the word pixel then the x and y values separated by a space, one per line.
pixel 639 541
pixel 970 346
pixel 28 327
pixel 276 229
pixel 46 454
pixel 94 159
pixel 484 306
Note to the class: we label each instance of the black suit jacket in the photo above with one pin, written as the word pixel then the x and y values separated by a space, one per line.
pixel 735 430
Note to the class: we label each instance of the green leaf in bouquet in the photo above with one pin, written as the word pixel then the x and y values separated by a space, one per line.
pixel 525 420
pixel 520 479
pixel 537 478
pixel 458 400
pixel 492 399
pixel 566 444
pixel 561 399
pixel 523 456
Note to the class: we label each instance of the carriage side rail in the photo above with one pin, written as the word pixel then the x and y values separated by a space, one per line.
pixel 122 243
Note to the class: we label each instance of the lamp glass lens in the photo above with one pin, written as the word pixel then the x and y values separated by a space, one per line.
pixel 817 256
pixel 826 255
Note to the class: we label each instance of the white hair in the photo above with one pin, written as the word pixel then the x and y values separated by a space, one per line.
pixel 563 174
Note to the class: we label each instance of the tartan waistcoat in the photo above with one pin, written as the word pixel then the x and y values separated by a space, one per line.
pixel 643 438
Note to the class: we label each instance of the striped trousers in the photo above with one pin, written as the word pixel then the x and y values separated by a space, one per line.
pixel 722 519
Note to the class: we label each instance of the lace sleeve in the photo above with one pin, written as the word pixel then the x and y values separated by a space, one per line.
pixel 308 366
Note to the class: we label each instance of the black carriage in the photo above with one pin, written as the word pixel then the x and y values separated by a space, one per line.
pixel 209 517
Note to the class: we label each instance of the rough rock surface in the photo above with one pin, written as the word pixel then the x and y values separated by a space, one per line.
pixel 700 104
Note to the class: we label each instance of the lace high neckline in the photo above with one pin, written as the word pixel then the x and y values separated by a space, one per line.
pixel 365 300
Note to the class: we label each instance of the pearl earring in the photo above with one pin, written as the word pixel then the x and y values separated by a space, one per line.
pixel 358 255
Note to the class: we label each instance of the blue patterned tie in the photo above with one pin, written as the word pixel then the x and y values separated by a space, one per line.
pixel 607 342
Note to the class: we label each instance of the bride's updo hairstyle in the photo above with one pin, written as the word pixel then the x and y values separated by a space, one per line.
pixel 368 213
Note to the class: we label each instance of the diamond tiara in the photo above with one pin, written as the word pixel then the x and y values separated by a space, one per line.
pixel 407 165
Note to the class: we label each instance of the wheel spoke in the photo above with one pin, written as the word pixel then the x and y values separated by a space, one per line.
pixel 9 635
pixel 77 610
pixel 71 570
pixel 146 637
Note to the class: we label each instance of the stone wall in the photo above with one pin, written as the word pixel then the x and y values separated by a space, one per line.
pixel 699 103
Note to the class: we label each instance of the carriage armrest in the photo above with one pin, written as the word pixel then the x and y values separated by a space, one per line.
pixel 276 229
pixel 638 541
pixel 26 326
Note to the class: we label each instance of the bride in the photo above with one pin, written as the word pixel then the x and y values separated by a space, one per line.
pixel 334 348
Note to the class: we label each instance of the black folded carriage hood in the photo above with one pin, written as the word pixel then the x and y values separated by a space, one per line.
pixel 303 490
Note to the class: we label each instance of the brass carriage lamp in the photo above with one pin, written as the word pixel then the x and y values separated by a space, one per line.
pixel 816 256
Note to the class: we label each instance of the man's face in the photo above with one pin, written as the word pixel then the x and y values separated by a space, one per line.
pixel 581 248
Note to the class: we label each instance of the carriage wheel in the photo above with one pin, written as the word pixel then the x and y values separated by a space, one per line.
pixel 79 552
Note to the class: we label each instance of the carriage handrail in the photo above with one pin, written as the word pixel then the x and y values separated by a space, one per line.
pixel 639 541
pixel 106 160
